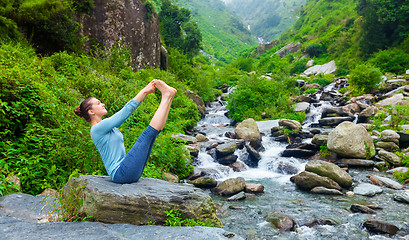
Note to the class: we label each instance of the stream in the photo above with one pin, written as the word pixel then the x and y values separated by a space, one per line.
pixel 247 217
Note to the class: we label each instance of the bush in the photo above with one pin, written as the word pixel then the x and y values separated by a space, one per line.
pixel 391 60
pixel 315 50
pixel 364 78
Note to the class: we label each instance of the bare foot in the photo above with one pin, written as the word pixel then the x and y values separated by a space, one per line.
pixel 150 88
pixel 166 90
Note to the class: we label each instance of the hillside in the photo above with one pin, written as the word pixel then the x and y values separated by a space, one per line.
pixel 224 35
pixel 266 19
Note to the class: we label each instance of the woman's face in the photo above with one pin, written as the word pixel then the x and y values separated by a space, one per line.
pixel 98 108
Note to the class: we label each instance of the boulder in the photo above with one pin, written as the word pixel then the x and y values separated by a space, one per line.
pixel 362 209
pixel 377 226
pixel 204 182
pixel 391 101
pixel 333 121
pixel 298 153
pixel 254 188
pixel 230 187
pixel 402 197
pixel 331 171
pixel 366 113
pixel 289 124
pixel 323 190
pixel 302 106
pixel 390 157
pixel 193 151
pixel 248 130
pixel 281 221
pixel 351 140
pixel 170 177
pixel 390 136
pixel 307 181
pixel 197 100
pixel 327 68
pixel 130 24
pixel 238 166
pixel 237 197
pixel 354 162
pixel 289 48
pixel 388 146
pixel 367 189
pixel 383 181
pixel 320 139
pixel 227 160
pixel 140 202
pixel 398 169
pixel 225 149
pixel 201 138
pixel 253 152
pixel 184 138
pixel 49 192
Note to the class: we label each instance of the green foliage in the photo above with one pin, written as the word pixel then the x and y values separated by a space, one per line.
pixel 391 60
pixel 364 78
pixel 399 116
pixel 177 29
pixel 255 95
pixel 403 177
pixel 43 141
pixel 322 79
pixel 244 64
pixel 310 91
pixel 174 219
pixel 298 66
pixel 324 152
pixel 315 50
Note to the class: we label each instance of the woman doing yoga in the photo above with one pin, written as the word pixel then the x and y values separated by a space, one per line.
pixel 121 167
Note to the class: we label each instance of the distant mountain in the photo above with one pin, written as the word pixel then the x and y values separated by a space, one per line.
pixel 266 19
pixel 224 34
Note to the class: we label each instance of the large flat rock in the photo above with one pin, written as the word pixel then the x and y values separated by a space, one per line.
pixel 141 202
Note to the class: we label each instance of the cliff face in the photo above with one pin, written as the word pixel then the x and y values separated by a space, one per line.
pixel 109 22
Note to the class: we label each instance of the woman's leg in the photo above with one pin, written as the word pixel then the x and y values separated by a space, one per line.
pixel 132 166
pixel 161 115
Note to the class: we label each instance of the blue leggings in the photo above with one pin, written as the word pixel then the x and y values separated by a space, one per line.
pixel 131 167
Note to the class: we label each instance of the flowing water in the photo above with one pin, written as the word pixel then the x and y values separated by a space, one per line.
pixel 247 218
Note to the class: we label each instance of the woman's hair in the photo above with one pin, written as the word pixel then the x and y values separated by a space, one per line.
pixel 82 109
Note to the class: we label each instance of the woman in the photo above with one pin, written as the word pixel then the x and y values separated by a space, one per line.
pixel 121 167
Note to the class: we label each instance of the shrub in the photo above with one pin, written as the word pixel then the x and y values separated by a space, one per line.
pixel 391 60
pixel 364 78
pixel 315 50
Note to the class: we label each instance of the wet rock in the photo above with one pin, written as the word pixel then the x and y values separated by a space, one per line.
pixel 402 197
pixel 184 138
pixel 230 187
pixel 253 152
pixel 170 177
pixel 201 138
pixel 377 226
pixel 323 190
pixel 351 140
pixel 302 107
pixel 231 135
pixel 193 151
pixel 331 171
pixel 334 121
pixel 237 197
pixel 383 181
pixel 248 130
pixel 362 209
pixel 286 168
pixel 315 222
pixel 307 181
pixel 353 162
pixel 204 182
pixel 225 149
pixel 398 169
pixel 316 131
pixel 320 139
pixel 254 188
pixel 388 146
pixel 289 124
pixel 367 189
pixel 238 166
pixel 390 157
pixel 195 174
pixel 281 221
pixel 298 153
pixel 366 113
pixel 227 160
pixel 139 202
